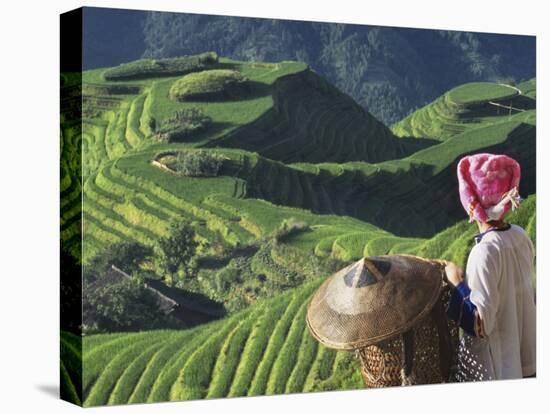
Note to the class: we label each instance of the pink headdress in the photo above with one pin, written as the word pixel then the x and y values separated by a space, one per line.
pixel 488 185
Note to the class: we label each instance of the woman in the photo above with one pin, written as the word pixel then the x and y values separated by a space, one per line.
pixel 494 303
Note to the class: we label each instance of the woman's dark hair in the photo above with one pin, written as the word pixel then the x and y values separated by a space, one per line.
pixel 496 223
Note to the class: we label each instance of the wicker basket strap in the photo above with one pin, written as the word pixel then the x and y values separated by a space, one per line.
pixel 408 357
pixel 445 344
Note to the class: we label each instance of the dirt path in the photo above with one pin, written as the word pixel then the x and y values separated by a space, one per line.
pixel 513 87
pixel 510 108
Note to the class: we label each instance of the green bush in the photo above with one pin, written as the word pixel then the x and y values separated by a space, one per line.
pixel 148 68
pixel 124 306
pixel 198 163
pixel 174 253
pixel 278 277
pixel 226 277
pixel 206 84
pixel 235 284
pixel 180 125
pixel 128 256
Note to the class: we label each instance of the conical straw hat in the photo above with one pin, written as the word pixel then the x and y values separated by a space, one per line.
pixel 373 299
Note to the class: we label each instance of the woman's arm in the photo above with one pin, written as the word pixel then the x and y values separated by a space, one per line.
pixel 461 309
pixel 464 312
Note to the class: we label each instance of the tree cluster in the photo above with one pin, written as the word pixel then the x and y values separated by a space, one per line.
pixel 126 304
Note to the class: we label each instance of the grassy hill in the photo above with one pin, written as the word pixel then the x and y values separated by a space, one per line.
pixel 292 148
pixel 265 349
pixel 117 119
pixel 312 121
pixel 466 107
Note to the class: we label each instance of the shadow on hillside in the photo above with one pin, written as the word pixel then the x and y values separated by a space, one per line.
pixel 226 65
pixel 242 91
pixel 406 197
pixel 213 129
pixel 501 107
pixel 410 145
pixel 524 102
pixel 221 261
pixel 200 309
pixel 303 117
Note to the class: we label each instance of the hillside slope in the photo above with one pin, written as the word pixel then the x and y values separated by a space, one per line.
pixel 467 107
pixel 312 121
pixel 386 194
pixel 265 349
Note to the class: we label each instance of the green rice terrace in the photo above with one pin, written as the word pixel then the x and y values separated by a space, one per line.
pixel 301 181
pixel 467 107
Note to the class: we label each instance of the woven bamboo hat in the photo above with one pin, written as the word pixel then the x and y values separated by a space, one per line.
pixel 373 299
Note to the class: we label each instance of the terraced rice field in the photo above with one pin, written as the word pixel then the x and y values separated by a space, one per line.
pixel 467 107
pixel 252 353
pixel 296 148
pixel 265 349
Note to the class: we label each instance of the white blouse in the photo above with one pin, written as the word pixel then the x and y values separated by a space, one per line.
pixel 499 273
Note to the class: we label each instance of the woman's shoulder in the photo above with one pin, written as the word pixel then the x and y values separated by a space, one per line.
pixel 518 233
pixel 492 243
pixel 517 229
pixel 497 236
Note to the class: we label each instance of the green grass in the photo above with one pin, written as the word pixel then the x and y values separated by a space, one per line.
pixel 226 116
pixel 167 376
pixel 154 367
pixel 104 387
pixel 321 368
pixel 306 355
pixel 122 368
pixel 195 375
pixel 477 92
pixel 226 364
pixel 287 358
pixel 126 382
pixel 255 346
pixel 68 390
pixel 71 367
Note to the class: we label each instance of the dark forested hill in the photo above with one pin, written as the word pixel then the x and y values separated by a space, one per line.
pixel 389 71
pixel 111 36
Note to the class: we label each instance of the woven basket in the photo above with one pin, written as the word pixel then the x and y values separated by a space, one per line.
pixel 382 364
